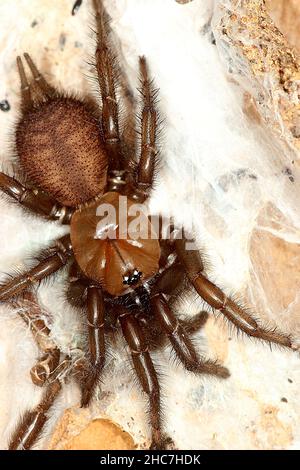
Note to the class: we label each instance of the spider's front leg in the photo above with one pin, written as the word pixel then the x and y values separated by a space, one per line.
pixel 95 318
pixel 217 299
pixel 59 256
pixel 146 374
pixel 84 293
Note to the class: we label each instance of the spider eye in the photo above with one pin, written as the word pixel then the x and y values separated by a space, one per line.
pixel 133 278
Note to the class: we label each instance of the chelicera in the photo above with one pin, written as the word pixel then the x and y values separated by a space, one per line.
pixel 75 160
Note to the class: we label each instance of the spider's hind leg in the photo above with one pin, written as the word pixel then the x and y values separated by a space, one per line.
pixel 31 425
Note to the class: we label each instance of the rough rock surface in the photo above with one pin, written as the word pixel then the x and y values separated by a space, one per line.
pixel 286 16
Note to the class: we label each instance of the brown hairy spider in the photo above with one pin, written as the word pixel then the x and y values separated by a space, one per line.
pixel 75 160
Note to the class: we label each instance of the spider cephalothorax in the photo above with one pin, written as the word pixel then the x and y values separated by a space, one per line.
pixel 77 166
pixel 114 259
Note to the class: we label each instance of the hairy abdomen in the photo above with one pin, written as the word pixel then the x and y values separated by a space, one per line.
pixel 60 150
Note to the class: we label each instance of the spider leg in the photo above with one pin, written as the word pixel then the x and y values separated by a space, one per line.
pixel 196 323
pixel 181 341
pixel 217 299
pixel 31 425
pixel 44 89
pixel 95 318
pixel 59 256
pixel 106 70
pixel 168 281
pixel 156 338
pixel 35 200
pixel 147 163
pixel 146 374
pixel 84 294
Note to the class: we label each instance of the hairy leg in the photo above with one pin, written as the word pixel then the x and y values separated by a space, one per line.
pixel 194 324
pixel 35 200
pixel 181 341
pixel 217 299
pixel 106 70
pixel 58 257
pixel 84 294
pixel 146 374
pixel 146 166
pixel 96 339
pixel 30 427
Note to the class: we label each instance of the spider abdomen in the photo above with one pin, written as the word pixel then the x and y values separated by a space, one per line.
pixel 60 149
pixel 115 259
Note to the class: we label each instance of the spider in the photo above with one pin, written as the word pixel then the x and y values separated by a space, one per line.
pixel 75 160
